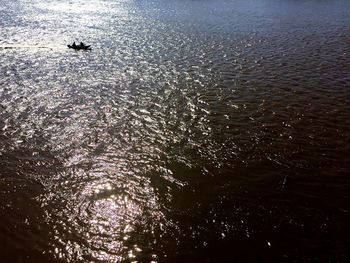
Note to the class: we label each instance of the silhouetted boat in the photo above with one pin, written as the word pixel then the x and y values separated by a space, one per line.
pixel 81 46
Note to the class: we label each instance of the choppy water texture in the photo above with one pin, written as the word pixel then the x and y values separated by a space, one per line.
pixel 194 131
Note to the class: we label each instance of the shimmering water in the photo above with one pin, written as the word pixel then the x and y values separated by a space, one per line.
pixel 194 131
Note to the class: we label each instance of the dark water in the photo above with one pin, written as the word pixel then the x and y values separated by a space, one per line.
pixel 194 131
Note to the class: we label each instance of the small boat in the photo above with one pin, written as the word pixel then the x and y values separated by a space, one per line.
pixel 81 46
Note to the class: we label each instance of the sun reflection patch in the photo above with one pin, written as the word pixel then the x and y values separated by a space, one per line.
pixel 75 7
pixel 101 211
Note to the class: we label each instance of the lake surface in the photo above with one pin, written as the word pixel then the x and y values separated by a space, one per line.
pixel 193 131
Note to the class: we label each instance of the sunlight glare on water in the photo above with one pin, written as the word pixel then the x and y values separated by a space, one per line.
pixel 191 128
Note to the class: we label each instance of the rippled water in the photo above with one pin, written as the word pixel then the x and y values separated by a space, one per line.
pixel 194 131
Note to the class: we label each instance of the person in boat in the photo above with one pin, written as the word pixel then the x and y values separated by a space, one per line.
pixel 80 46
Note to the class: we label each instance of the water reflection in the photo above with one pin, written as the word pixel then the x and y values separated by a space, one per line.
pixel 191 128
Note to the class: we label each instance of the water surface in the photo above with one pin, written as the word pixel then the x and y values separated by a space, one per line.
pixel 194 131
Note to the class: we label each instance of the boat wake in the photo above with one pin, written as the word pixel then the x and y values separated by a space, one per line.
pixel 8 46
